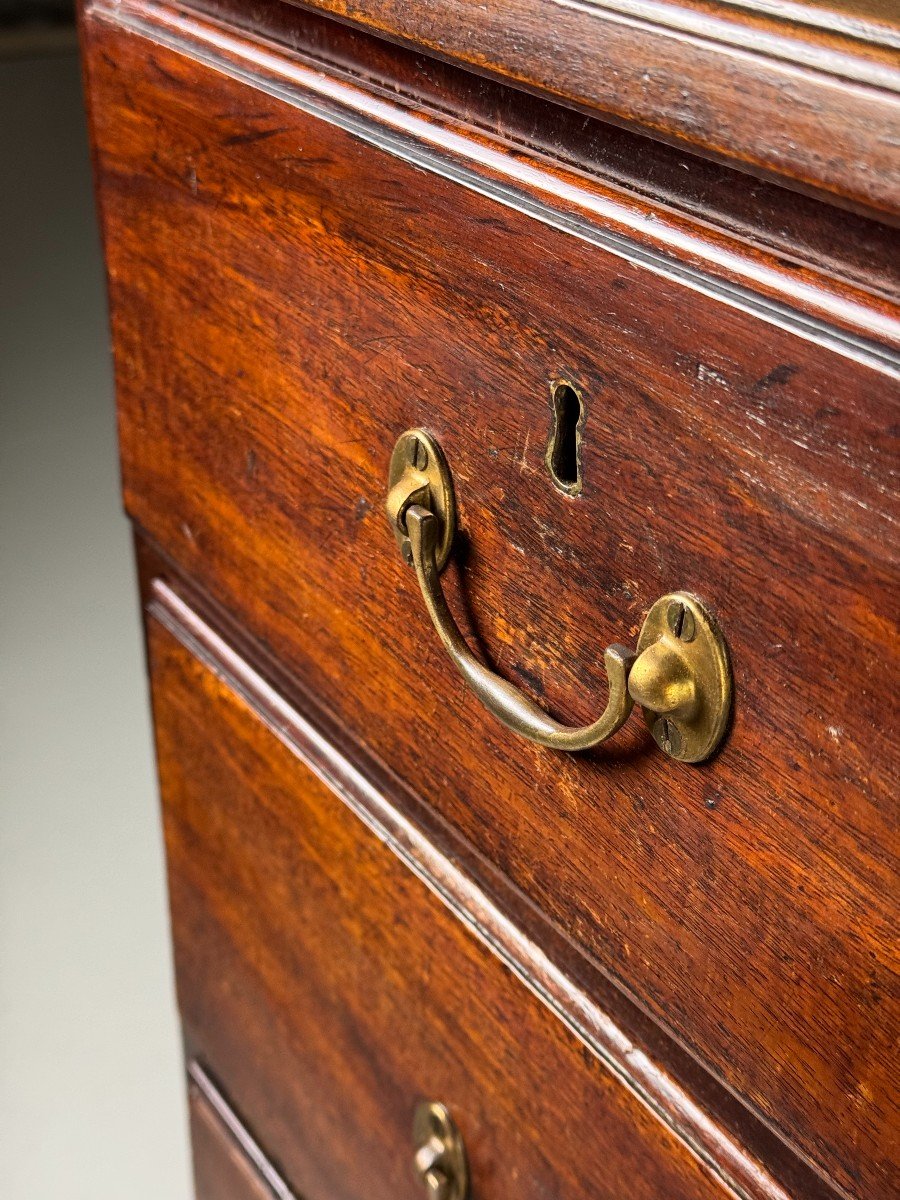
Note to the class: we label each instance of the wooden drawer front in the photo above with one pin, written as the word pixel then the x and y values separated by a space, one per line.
pixel 330 990
pixel 287 298
pixel 228 1164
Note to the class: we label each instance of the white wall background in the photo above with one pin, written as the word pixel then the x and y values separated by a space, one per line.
pixel 91 1096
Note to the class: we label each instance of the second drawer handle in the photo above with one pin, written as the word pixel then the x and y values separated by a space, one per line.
pixel 679 674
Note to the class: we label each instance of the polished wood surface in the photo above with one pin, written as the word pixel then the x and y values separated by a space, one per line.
pixel 317 238
pixel 334 990
pixel 228 1164
pixel 702 1114
pixel 598 181
pixel 800 91
pixel 346 295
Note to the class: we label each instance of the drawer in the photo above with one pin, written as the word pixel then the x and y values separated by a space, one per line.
pixel 331 991
pixel 290 290
pixel 228 1163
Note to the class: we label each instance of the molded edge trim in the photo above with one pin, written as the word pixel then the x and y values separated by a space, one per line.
pixel 819 309
pixel 234 1129
pixel 802 89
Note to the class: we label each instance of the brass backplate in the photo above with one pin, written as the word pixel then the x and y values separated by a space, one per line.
pixel 685 626
pixel 418 473
pixel 440 1161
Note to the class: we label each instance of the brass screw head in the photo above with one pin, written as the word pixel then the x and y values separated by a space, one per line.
pixel 418 454
pixel 667 736
pixel 681 621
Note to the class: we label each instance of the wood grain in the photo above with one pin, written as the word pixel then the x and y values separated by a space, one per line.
pixel 720 1132
pixel 315 296
pixel 786 97
pixel 750 244
pixel 228 1164
pixel 331 990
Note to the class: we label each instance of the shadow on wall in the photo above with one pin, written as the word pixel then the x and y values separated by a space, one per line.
pixel 36 27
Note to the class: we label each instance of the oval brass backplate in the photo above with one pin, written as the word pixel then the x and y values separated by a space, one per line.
pixel 680 628
pixel 440 1162
pixel 418 474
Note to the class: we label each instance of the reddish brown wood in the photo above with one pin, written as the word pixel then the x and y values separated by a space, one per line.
pixel 333 990
pixel 339 304
pixel 228 1164
pixel 290 290
pixel 720 1132
pixel 604 185
pixel 806 233
pixel 813 98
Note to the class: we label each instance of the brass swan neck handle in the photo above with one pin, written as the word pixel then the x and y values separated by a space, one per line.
pixel 499 697
pixel 680 673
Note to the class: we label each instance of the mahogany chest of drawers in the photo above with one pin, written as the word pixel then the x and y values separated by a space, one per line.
pixel 508 400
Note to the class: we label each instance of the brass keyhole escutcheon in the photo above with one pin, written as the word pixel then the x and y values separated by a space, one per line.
pixel 439 1159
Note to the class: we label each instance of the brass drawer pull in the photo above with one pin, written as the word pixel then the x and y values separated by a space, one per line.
pixel 680 674
pixel 439 1161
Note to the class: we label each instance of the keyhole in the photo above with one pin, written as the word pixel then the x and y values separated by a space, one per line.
pixel 564 448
